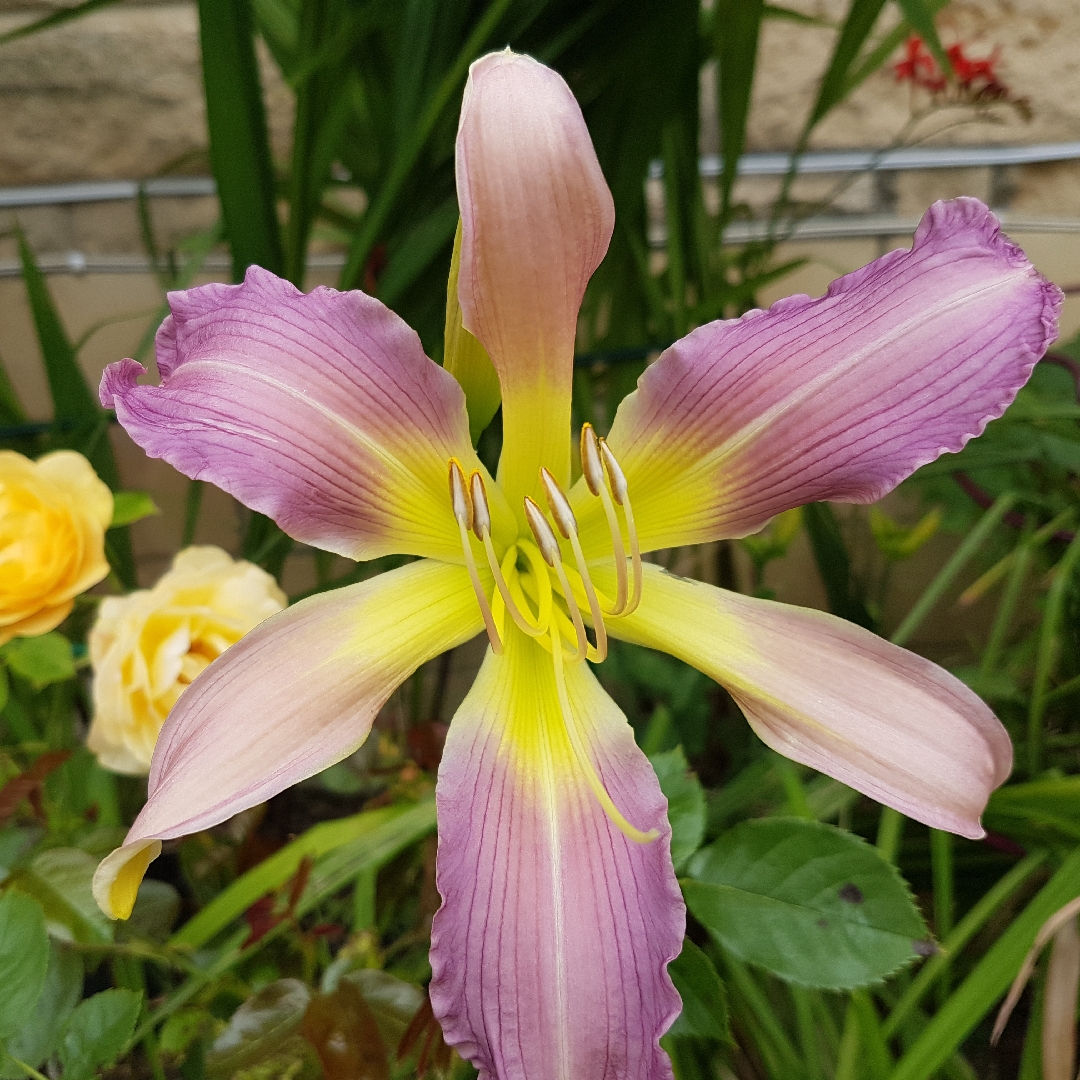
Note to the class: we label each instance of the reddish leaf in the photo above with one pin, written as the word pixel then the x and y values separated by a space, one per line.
pixel 342 1029
pixel 27 785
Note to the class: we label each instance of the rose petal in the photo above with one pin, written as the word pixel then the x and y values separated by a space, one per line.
pixel 549 952
pixel 537 218
pixel 836 398
pixel 836 697
pixel 297 694
pixel 319 410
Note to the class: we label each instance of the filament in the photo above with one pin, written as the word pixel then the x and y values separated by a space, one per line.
pixel 459 500
pixel 481 522
pixel 597 483
pixel 582 755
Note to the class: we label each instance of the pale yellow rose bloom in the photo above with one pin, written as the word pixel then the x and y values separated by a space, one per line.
pixel 147 647
pixel 53 517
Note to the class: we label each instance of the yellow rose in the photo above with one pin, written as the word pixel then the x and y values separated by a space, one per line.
pixel 147 647
pixel 53 517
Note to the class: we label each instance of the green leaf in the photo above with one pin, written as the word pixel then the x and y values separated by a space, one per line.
pixel 24 960
pixel 60 879
pixel 59 996
pixel 705 1011
pixel 130 506
pixel 11 410
pixel 55 18
pixel 260 1028
pixel 812 904
pixel 920 17
pixel 98 1031
pixel 239 143
pixel 738 23
pixel 686 804
pixel 363 839
pixel 856 29
pixel 980 991
pixel 834 565
pixel 40 660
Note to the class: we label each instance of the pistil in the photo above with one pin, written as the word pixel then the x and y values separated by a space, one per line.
pixel 581 752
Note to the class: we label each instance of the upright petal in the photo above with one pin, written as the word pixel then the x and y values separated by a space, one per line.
pixel 288 700
pixel 536 218
pixel 549 952
pixel 836 398
pixel 319 410
pixel 833 696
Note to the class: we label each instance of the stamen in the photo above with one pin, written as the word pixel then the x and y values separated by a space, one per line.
pixel 582 754
pixel 620 492
pixel 481 523
pixel 459 500
pixel 549 548
pixel 594 479
pixel 564 518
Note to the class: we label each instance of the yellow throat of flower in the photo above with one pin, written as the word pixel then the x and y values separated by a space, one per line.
pixel 544 595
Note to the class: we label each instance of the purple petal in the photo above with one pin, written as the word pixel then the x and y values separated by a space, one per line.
pixel 549 953
pixel 836 398
pixel 536 220
pixel 834 696
pixel 297 694
pixel 319 410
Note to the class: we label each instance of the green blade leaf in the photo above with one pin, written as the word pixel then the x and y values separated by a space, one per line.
pixel 977 994
pixel 738 23
pixel 834 565
pixel 24 960
pixel 705 1011
pixel 56 18
pixel 239 143
pixel 98 1031
pixel 812 904
pixel 920 17
pixel 131 506
pixel 370 833
pixel 686 804
pixel 860 21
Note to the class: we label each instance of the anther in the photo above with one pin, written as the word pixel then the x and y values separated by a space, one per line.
pixel 545 535
pixel 481 513
pixel 591 466
pixel 567 523
pixel 616 477
pixel 459 495
pixel 459 501
pixel 595 479
pixel 620 492
pixel 549 548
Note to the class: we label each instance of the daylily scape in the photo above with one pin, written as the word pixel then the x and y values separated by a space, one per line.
pixel 560 906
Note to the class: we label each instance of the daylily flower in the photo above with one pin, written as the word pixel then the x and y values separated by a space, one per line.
pixel 560 907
